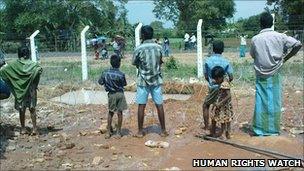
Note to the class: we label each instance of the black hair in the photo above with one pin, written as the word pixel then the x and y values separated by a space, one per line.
pixel 218 46
pixel 23 52
pixel 266 20
pixel 217 72
pixel 146 32
pixel 115 61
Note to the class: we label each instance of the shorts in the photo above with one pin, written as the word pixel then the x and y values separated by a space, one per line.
pixel 117 102
pixel 211 96
pixel 144 91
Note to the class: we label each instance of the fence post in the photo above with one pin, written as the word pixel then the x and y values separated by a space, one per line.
pixel 137 34
pixel 84 59
pixel 33 47
pixel 199 49
pixel 273 17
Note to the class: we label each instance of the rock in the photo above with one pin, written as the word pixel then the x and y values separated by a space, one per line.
pixel 55 136
pixel 17 133
pixel 193 80
pixel 69 145
pixel 40 160
pixel 95 132
pixel 243 124
pixel 103 128
pixel 157 144
pixel 11 148
pixel 67 166
pixel 178 132
pixel 114 157
pixel 64 137
pixel 97 160
pixel 173 168
pixel 50 127
pixel 298 92
pixel 104 146
pixel 183 128
pixel 282 109
pixel 128 156
pixel 296 131
pixel 83 133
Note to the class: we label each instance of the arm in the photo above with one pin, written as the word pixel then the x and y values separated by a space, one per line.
pixel 219 104
pixel 135 59
pixel 293 52
pixel 252 50
pixel 124 82
pixel 230 77
pixel 101 80
pixel 205 72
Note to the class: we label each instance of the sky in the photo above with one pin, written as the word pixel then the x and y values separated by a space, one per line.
pixel 141 11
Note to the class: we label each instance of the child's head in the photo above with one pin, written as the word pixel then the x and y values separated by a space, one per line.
pixel 217 73
pixel 266 20
pixel 218 46
pixel 23 52
pixel 146 32
pixel 115 61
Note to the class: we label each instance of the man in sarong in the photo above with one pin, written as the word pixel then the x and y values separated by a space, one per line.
pixel 268 51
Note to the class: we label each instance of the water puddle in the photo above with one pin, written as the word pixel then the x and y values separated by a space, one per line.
pixel 101 97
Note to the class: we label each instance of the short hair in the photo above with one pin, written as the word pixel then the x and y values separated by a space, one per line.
pixel 23 52
pixel 146 32
pixel 115 61
pixel 218 46
pixel 217 72
pixel 266 20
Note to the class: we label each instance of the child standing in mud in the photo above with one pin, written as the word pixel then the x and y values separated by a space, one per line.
pixel 114 81
pixel 222 109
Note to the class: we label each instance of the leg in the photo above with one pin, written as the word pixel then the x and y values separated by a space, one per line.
pixel 33 117
pixel 213 128
pixel 140 119
pixel 206 116
pixel 119 115
pixel 109 126
pixel 223 128
pixel 161 117
pixel 228 129
pixel 22 120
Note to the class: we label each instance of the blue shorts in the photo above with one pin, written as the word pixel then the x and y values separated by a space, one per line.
pixel 143 93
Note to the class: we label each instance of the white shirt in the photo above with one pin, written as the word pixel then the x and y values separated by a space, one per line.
pixel 268 49
pixel 243 40
pixel 193 39
pixel 186 37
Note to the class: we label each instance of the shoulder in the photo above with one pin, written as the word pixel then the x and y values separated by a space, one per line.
pixel 225 85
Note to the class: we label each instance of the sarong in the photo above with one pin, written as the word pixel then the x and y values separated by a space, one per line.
pixel 242 51
pixel 268 103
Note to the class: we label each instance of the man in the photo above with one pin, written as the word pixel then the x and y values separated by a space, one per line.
pixel 148 59
pixel 267 50
pixel 4 89
pixel 22 76
pixel 243 45
pixel 186 41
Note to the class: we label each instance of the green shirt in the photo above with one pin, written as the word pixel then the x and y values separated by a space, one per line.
pixel 147 58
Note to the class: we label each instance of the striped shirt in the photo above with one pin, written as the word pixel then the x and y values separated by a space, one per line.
pixel 147 58
pixel 113 80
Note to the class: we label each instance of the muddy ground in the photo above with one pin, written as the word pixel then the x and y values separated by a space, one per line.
pixel 70 136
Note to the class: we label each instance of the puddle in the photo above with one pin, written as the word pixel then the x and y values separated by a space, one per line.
pixel 101 97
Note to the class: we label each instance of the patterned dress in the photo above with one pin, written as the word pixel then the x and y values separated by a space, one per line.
pixel 224 113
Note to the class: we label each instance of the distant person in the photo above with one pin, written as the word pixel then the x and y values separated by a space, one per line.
pixel 214 60
pixel 22 75
pixel 119 45
pixel 267 50
pixel 243 45
pixel 114 81
pixel 192 41
pixel 157 41
pixel 166 47
pixel 4 88
pixel 148 60
pixel 186 41
pixel 209 38
pixel 222 107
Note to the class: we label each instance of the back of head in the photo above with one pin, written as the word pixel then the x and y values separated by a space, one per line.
pixel 217 72
pixel 218 46
pixel 115 61
pixel 266 20
pixel 23 52
pixel 146 32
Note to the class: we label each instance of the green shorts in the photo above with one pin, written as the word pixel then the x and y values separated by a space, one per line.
pixel 211 96
pixel 117 102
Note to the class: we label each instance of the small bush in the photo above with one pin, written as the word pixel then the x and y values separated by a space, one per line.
pixel 171 63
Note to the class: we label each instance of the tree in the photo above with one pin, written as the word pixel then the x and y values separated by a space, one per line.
pixel 186 13
pixel 157 25
pixel 291 12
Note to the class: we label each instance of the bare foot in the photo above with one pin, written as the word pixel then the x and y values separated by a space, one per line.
pixel 118 135
pixel 139 134
pixel 23 131
pixel 34 132
pixel 164 134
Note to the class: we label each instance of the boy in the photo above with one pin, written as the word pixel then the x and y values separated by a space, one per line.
pixel 148 59
pixel 23 76
pixel 222 108
pixel 214 60
pixel 114 81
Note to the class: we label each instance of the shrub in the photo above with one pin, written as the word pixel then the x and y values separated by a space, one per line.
pixel 171 63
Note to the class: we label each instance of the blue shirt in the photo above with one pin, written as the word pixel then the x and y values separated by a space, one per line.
pixel 213 61
pixel 113 80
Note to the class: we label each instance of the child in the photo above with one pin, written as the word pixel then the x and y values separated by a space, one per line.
pixel 214 60
pixel 114 82
pixel 222 108
pixel 23 76
pixel 148 59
